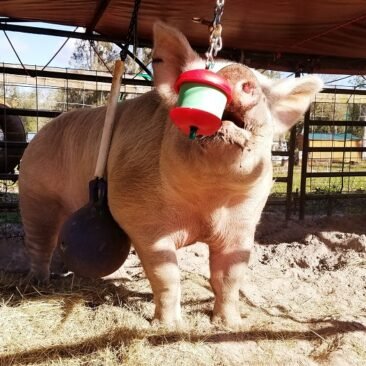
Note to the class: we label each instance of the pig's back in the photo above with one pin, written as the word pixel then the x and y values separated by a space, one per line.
pixel 61 158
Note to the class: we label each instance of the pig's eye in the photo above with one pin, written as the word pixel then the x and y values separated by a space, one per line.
pixel 247 87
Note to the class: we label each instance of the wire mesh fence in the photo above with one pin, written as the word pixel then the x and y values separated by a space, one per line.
pixel 36 96
pixel 320 167
pixel 333 147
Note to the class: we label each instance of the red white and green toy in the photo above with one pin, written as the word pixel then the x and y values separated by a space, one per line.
pixel 203 96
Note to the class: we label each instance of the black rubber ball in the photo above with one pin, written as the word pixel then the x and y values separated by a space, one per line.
pixel 91 243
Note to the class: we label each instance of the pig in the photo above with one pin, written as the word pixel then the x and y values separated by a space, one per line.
pixel 165 190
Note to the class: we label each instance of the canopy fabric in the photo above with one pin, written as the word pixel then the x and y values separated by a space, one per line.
pixel 324 36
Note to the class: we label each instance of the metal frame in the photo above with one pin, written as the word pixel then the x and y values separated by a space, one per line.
pixel 77 35
pixel 48 113
pixel 287 202
pixel 126 81
pixel 289 199
pixel 284 61
pixel 100 9
pixel 258 59
pixel 57 33
pixel 70 75
pixel 290 172
pixel 307 149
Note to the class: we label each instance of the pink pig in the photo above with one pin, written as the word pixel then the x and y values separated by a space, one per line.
pixel 165 190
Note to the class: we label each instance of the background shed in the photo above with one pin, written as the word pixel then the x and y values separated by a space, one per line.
pixel 335 140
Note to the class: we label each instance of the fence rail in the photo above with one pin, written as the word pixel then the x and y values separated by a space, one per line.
pixel 343 152
pixel 296 182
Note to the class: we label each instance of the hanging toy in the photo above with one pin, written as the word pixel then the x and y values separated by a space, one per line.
pixel 203 96
pixel 91 243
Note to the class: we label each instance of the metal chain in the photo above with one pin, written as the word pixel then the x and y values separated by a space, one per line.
pixel 215 34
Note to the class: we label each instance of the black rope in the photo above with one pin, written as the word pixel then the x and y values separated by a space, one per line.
pixel 57 52
pixel 16 54
pixel 132 31
pixel 129 53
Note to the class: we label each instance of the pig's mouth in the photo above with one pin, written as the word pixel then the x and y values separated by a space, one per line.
pixel 234 131
pixel 233 117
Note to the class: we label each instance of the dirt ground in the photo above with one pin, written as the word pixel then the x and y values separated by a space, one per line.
pixel 303 302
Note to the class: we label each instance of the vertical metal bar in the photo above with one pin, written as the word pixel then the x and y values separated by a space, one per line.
pixel 4 98
pixel 96 88
pixel 4 102
pixel 333 131
pixel 67 90
pixel 305 153
pixel 5 131
pixel 290 172
pixel 37 107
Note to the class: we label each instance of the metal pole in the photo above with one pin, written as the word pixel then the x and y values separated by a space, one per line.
pixel 78 35
pixel 304 164
pixel 71 75
pixel 290 172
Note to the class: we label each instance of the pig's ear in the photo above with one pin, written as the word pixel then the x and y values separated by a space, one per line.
pixel 172 55
pixel 290 98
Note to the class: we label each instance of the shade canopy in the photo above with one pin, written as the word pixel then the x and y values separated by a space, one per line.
pixel 305 35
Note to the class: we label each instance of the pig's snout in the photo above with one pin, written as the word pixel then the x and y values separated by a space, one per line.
pixel 245 97
pixel 245 93
pixel 248 87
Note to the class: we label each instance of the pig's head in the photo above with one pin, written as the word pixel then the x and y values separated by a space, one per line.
pixel 259 108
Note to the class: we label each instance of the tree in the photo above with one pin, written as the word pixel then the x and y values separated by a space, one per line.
pixel 86 57
pixel 144 55
pixel 99 56
pixel 15 97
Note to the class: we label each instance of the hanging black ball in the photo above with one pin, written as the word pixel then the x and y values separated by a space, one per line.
pixel 91 243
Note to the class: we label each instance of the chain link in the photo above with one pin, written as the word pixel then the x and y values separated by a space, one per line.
pixel 215 39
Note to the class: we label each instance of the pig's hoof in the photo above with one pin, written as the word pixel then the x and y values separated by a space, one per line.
pixel 169 324
pixel 231 322
pixel 37 278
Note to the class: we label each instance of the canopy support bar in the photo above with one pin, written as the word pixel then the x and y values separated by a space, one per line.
pixel 76 35
pixel 63 33
pixel 99 12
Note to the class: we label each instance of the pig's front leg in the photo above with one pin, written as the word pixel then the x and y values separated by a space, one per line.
pixel 228 262
pixel 160 264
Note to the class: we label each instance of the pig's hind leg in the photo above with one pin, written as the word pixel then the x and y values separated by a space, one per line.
pixel 42 219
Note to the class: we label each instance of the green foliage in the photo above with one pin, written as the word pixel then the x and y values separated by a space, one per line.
pixel 338 108
pixel 144 55
pixel 17 97
pixel 323 184
pixel 85 57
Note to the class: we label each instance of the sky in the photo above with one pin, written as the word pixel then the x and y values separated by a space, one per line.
pixel 34 49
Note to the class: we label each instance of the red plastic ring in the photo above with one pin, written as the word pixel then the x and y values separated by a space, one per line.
pixel 205 77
